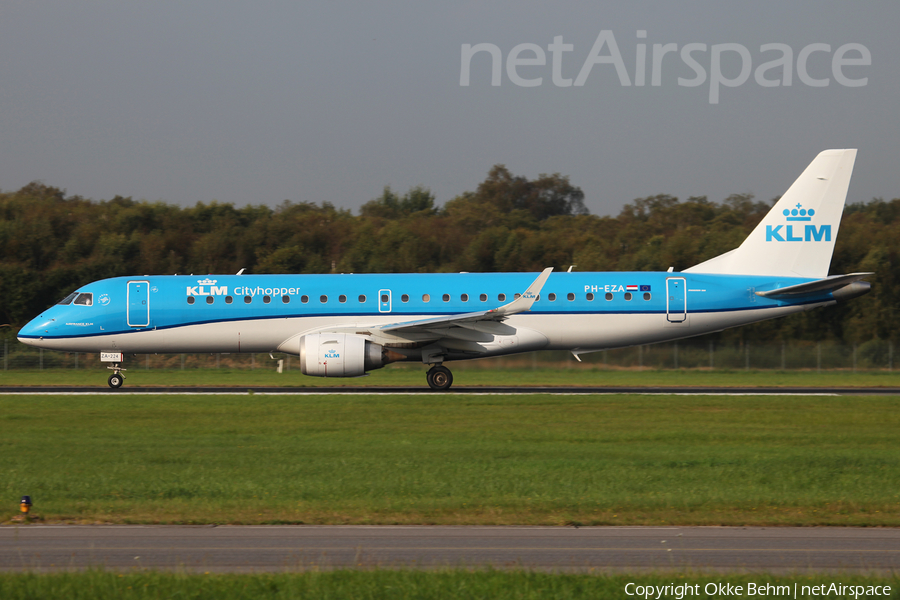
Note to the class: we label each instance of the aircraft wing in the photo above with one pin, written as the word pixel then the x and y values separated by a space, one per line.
pixel 521 304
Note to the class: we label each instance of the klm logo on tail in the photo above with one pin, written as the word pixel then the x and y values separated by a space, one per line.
pixel 802 233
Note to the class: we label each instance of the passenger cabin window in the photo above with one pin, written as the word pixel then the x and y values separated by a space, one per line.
pixel 190 299
pixel 68 299
pixel 228 299
pixel 608 296
pixel 446 298
pixel 267 299
pixel 589 296
pixel 323 298
pixel 483 297
pixel 628 295
pixel 86 299
pixel 501 297
pixel 404 298
pixel 248 299
pixel 342 298
pixel 464 297
pixel 646 295
pixel 426 298
pixel 362 298
pixel 551 297
pixel 210 299
pixel 385 298
pixel 516 296
pixel 304 299
pixel 286 299
pixel 570 296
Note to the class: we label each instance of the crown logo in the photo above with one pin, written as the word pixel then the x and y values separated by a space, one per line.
pixel 799 213
pixel 206 281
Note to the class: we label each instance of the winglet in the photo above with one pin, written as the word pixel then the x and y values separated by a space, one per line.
pixel 520 304
pixel 523 303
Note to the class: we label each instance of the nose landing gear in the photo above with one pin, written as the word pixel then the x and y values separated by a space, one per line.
pixel 116 380
pixel 439 378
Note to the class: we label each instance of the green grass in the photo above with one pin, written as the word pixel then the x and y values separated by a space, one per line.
pixel 453 459
pixel 397 585
pixel 479 373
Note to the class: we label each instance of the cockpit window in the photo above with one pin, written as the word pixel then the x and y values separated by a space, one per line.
pixel 68 299
pixel 86 299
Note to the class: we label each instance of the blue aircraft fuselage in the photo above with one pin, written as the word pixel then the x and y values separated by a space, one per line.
pixel 134 305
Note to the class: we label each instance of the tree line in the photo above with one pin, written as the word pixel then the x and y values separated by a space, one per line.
pixel 51 243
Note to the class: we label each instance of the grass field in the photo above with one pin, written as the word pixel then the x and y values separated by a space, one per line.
pixel 452 459
pixel 393 585
pixel 476 373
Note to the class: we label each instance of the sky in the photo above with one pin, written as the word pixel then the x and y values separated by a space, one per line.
pixel 255 103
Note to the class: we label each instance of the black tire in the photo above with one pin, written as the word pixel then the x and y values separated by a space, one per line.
pixel 115 381
pixel 439 378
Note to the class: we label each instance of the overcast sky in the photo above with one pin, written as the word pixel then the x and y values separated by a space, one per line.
pixel 331 101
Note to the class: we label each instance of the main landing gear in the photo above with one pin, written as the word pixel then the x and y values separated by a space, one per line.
pixel 439 378
pixel 116 380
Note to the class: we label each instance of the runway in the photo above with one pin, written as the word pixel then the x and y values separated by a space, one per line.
pixel 274 390
pixel 289 548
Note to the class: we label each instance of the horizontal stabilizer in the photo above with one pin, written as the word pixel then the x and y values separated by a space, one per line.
pixel 828 284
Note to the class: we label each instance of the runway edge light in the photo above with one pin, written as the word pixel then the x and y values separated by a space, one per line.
pixel 25 504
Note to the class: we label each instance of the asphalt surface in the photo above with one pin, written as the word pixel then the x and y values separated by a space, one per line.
pixel 289 548
pixel 842 391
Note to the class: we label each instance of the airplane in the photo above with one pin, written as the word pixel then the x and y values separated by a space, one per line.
pixel 349 324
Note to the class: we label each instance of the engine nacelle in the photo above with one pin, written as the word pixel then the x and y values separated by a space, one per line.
pixel 341 355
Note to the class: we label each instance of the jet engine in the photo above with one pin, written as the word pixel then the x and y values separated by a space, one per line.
pixel 342 355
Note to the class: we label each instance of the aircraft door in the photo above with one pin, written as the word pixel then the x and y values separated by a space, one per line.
pixel 384 301
pixel 676 300
pixel 138 303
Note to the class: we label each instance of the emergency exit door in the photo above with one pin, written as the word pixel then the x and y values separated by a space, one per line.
pixel 384 301
pixel 676 300
pixel 138 303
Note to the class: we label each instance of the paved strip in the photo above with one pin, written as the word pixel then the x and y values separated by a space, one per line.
pixel 274 390
pixel 289 548
pixel 384 394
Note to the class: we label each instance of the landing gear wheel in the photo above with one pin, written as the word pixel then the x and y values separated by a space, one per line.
pixel 439 378
pixel 116 380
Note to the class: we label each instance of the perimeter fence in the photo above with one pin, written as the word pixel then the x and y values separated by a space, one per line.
pixel 685 354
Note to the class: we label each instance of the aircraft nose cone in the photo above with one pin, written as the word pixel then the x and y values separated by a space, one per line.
pixel 32 333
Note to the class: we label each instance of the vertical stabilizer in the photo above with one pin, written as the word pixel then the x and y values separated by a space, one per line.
pixel 796 238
